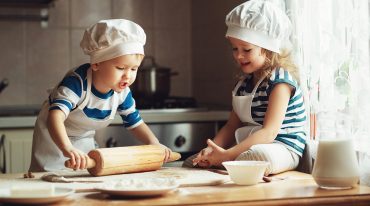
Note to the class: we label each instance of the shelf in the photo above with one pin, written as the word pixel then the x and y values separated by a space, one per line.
pixel 25 10
pixel 26 3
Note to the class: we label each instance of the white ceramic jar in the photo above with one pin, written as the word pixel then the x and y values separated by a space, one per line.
pixel 336 164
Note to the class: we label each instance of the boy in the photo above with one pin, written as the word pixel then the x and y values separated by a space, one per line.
pixel 88 98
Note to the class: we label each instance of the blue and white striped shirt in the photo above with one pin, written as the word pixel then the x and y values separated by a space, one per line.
pixel 292 133
pixel 72 90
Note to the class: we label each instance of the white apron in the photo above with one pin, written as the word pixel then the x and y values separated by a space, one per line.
pixel 46 156
pixel 242 106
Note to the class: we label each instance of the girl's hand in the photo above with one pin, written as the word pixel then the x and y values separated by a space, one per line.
pixel 203 164
pixel 167 152
pixel 216 156
pixel 201 160
pixel 77 158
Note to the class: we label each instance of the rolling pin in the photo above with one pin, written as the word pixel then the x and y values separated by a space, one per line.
pixel 119 160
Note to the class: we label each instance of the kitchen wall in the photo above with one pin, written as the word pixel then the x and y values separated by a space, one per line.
pixel 214 71
pixel 185 35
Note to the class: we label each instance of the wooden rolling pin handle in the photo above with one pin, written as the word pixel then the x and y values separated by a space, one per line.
pixel 90 163
pixel 174 156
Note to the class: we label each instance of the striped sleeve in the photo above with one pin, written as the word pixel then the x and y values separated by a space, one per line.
pixel 292 132
pixel 68 93
pixel 296 114
pixel 281 76
pixel 128 112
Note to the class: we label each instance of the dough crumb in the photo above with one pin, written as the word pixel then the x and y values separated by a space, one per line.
pixel 28 175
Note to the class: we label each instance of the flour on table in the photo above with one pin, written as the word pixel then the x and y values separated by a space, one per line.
pixel 141 184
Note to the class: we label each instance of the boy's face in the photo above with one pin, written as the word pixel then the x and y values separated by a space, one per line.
pixel 117 73
pixel 249 57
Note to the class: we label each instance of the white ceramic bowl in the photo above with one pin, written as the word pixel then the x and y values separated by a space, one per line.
pixel 246 172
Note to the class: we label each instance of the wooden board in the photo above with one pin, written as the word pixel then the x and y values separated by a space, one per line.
pixel 291 188
pixel 186 177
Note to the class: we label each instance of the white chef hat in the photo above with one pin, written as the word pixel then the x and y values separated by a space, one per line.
pixel 112 38
pixel 261 23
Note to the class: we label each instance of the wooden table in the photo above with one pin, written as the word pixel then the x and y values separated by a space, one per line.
pixel 290 188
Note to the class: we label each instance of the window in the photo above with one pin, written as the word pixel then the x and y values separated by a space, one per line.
pixel 331 48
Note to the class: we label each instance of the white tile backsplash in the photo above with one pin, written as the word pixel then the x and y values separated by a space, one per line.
pixel 139 11
pixel 179 35
pixel 172 49
pixel 12 62
pixel 76 54
pixel 172 14
pixel 59 14
pixel 47 60
pixel 87 12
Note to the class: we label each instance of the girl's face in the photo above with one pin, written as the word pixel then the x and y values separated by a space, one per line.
pixel 116 74
pixel 248 56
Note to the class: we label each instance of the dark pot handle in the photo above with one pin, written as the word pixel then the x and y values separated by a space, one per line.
pixel 174 73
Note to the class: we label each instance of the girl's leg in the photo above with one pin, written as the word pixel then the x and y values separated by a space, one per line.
pixel 280 158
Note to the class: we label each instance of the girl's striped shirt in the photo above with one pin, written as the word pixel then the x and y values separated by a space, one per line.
pixel 292 133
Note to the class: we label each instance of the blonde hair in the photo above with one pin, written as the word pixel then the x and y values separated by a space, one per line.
pixel 283 60
pixel 138 56
pixel 275 60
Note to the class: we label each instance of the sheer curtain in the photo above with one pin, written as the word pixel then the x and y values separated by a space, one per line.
pixel 331 47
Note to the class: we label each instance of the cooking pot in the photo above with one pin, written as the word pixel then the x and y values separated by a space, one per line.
pixel 152 81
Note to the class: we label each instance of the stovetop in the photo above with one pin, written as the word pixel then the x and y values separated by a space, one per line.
pixel 166 103
pixel 19 110
pixel 172 110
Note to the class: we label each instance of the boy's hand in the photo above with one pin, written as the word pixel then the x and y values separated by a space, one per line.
pixel 77 158
pixel 167 152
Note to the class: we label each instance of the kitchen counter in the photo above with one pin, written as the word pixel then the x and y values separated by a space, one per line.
pixel 149 116
pixel 289 188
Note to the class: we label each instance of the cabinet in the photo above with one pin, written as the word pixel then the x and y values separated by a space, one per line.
pixel 15 150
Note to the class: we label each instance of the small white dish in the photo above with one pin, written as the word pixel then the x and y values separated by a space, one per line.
pixel 59 194
pixel 246 172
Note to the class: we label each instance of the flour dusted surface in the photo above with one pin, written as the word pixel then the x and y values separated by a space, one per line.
pixel 141 184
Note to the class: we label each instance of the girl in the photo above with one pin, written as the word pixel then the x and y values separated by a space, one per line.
pixel 89 96
pixel 268 116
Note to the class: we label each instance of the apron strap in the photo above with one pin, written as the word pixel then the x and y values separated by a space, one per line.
pixel 88 90
pixel 245 102
pixel 258 83
pixel 114 107
pixel 254 89
pixel 88 94
pixel 237 86
pixel 253 93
